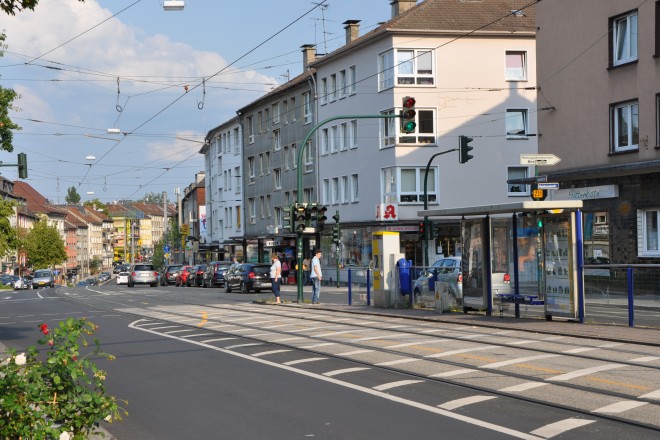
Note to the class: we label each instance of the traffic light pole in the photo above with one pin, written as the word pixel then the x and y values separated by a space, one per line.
pixel 299 194
pixel 425 235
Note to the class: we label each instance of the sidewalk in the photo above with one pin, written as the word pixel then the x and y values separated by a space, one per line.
pixel 330 296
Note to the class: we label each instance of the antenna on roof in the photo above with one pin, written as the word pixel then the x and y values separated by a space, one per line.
pixel 323 7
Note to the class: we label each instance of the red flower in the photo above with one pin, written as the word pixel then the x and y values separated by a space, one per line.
pixel 51 342
pixel 44 329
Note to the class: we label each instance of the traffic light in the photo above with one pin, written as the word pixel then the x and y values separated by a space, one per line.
pixel 464 148
pixel 336 234
pixel 300 217
pixel 336 217
pixel 22 166
pixel 408 114
pixel 422 228
pixel 320 215
pixel 288 219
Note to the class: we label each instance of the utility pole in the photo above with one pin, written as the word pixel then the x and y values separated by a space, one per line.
pixel 165 223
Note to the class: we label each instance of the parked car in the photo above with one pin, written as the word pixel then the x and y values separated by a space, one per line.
pixel 181 279
pixel 247 277
pixel 6 280
pixel 83 283
pixel 169 274
pixel 198 279
pixel 104 276
pixel 143 274
pixel 43 278
pixel 215 273
pixel 20 283
pixel 122 278
pixel 446 270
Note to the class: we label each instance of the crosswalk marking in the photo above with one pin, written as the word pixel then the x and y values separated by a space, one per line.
pixel 354 352
pixel 585 371
pixel 196 335
pixel 518 360
pixel 302 361
pixel 651 395
pixel 422 342
pixel 523 387
pixel 451 373
pixel 462 350
pixel 397 362
pixel 399 383
pixel 554 429
pixel 216 340
pixel 645 359
pixel 266 353
pixel 344 371
pixel 453 404
pixel 619 407
pixel 230 347
pixel 579 350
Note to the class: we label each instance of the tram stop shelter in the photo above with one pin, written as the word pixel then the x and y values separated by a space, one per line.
pixel 526 253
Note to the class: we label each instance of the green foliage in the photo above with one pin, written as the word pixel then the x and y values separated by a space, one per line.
pixel 95 265
pixel 44 246
pixel 8 236
pixel 96 205
pixel 152 197
pixel 11 7
pixel 158 259
pixel 64 394
pixel 72 196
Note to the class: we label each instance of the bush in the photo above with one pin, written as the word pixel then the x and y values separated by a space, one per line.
pixel 62 397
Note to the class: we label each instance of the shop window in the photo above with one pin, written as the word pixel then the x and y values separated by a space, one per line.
pixel 648 233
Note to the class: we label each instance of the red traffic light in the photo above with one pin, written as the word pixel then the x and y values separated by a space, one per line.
pixel 409 102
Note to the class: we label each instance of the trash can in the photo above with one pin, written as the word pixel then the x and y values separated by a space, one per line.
pixel 404 275
pixel 432 279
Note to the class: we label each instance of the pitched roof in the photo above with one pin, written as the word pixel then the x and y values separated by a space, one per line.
pixel 34 201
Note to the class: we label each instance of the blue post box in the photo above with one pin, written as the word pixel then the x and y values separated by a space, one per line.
pixel 404 275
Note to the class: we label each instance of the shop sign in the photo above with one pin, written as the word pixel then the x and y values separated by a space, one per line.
pixel 401 228
pixel 588 193
pixel 387 212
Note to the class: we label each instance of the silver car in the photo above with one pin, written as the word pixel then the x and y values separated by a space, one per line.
pixel 447 270
pixel 143 274
pixel 43 278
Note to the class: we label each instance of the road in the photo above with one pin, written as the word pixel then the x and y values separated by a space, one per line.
pixel 200 363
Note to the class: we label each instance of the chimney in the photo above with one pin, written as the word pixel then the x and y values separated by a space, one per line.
pixel 352 30
pixel 309 54
pixel 401 6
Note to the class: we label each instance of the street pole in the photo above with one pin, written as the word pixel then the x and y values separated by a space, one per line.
pixel 425 236
pixel 299 194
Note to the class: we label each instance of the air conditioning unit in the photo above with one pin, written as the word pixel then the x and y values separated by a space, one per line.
pixel 173 5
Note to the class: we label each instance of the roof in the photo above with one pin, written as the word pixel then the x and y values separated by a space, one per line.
pixel 300 79
pixel 34 201
pixel 456 18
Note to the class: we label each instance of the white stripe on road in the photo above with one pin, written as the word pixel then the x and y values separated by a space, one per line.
pixel 197 335
pixel 523 342
pixel 266 353
pixel 645 359
pixel 180 331
pixel 579 350
pixel 518 360
pixel 322 344
pixel 231 347
pixel 294 338
pixel 398 383
pixel 463 350
pixel 303 361
pixel 452 373
pixel 422 342
pixel 341 332
pixel 344 371
pixel 610 345
pixel 619 407
pixel 217 339
pixel 553 338
pixel 371 338
pixel 554 429
pixel 453 404
pixel 523 387
pixel 167 326
pixel 651 395
pixel 585 371
pixel 354 352
pixel 397 362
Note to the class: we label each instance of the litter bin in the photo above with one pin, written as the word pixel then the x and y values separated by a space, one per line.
pixel 404 275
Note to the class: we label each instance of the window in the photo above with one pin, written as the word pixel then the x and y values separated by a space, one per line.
pixel 262 206
pixel 657 28
pixel 237 143
pixel 260 122
pixel 286 157
pixel 425 130
pixel 345 190
pixel 276 113
pixel 516 66
pixel 343 137
pixel 261 164
pixel 307 107
pixel 278 216
pixel 309 156
pixel 354 134
pixel 387 130
pixel 406 185
pixel 237 176
pixel 335 190
pixel 268 203
pixel 277 178
pixel 332 87
pixel 294 110
pixel 250 129
pixel 238 217
pixel 351 81
pixel 648 232
pixel 334 140
pixel 516 123
pixel 325 141
pixel 294 156
pixel 323 99
pixel 285 111
pixel 326 191
pixel 657 120
pixel 386 70
pixel 308 194
pixel 277 140
pixel 252 206
pixel 267 159
pixel 414 67
pixel 517 189
pixel 342 84
pixel 228 181
pixel 354 188
pixel 624 39
pixel 625 126
pixel 251 168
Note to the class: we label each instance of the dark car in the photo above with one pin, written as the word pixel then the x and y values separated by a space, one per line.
pixel 181 278
pixel 215 273
pixel 197 279
pixel 247 277
pixel 169 274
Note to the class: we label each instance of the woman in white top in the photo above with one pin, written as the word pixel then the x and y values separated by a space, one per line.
pixel 276 277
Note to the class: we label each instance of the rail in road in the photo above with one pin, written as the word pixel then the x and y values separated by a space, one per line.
pixel 555 384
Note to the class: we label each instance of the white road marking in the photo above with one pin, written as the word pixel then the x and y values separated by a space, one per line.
pixel 266 353
pixel 217 339
pixel 645 359
pixel 462 350
pixel 354 352
pixel 371 338
pixel 553 338
pixel 365 390
pixel 322 344
pixel 454 372
pixel 293 338
pixel 397 362
pixel 554 429
pixel 342 332
pixel 523 342
pixel 585 371
pixel 196 335
pixel 518 360
pixel 398 383
pixel 651 395
pixel 421 342
pixel 523 387
pixel 619 407
pixel 180 331
pixel 579 350
pixel 303 361
pixel 167 326
pixel 344 371
pixel 252 344
pixel 610 345
pixel 453 404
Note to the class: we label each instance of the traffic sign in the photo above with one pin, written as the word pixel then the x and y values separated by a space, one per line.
pixel 166 249
pixel 548 185
pixel 539 159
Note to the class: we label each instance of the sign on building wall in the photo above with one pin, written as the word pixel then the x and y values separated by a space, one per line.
pixel 588 193
pixel 387 212
pixel 202 224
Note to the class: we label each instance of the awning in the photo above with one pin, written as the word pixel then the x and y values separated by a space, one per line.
pixel 504 208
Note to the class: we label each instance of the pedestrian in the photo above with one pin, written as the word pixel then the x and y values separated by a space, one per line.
pixel 316 276
pixel 285 271
pixel 307 269
pixel 275 277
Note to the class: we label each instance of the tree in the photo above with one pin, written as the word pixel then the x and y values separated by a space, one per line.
pixel 12 6
pixel 96 205
pixel 158 258
pixel 7 97
pixel 44 246
pixel 72 196
pixel 8 236
pixel 152 197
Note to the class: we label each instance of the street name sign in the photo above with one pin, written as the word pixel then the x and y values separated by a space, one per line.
pixel 548 185
pixel 539 159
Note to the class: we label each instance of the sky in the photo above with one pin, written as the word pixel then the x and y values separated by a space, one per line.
pixel 162 78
